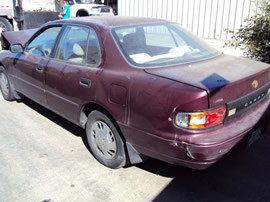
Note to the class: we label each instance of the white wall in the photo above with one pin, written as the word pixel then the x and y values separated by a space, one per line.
pixel 40 5
pixel 205 18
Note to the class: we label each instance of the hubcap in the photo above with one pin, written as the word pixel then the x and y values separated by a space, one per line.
pixel 103 140
pixel 4 84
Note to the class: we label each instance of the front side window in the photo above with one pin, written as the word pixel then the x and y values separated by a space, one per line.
pixel 79 45
pixel 43 44
pixel 147 46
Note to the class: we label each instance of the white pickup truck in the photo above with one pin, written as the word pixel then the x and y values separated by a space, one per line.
pixel 80 8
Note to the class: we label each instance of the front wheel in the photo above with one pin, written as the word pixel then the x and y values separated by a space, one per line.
pixel 104 140
pixel 5 85
pixel 5 25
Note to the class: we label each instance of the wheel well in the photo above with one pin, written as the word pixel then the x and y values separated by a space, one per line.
pixel 10 20
pixel 82 13
pixel 133 155
pixel 88 108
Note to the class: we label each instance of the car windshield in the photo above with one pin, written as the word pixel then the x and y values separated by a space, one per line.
pixel 85 1
pixel 153 45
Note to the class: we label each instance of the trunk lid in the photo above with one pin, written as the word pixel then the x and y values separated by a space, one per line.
pixel 225 78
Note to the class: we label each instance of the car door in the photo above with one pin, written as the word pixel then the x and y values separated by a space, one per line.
pixel 71 75
pixel 28 70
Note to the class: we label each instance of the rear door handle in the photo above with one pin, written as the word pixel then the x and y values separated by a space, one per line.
pixel 39 68
pixel 86 83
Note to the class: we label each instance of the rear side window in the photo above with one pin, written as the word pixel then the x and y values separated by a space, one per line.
pixel 72 47
pixel 42 45
pixel 79 45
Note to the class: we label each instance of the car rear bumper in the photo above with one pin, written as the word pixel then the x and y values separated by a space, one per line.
pixel 200 150
pixel 186 154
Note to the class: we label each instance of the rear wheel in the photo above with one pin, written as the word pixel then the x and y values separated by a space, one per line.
pixel 5 85
pixel 104 140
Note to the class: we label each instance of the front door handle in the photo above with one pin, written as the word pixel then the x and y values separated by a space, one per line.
pixel 39 68
pixel 85 83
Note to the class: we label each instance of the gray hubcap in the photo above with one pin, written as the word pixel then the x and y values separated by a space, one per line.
pixel 103 140
pixel 4 84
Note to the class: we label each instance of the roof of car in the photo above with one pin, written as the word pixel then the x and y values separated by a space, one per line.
pixel 112 21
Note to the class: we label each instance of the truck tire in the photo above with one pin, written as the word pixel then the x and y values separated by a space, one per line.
pixel 5 25
pixel 82 13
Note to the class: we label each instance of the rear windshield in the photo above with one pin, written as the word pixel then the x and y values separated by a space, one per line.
pixel 160 45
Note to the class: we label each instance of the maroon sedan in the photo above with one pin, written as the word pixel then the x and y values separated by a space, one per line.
pixel 140 87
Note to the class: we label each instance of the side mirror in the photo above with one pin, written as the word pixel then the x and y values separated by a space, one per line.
pixel 16 48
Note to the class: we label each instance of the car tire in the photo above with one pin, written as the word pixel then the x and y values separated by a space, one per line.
pixel 105 141
pixel 5 25
pixel 81 13
pixel 5 86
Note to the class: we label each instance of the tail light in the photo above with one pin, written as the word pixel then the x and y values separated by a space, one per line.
pixel 199 120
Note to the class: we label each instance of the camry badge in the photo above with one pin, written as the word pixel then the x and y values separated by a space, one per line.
pixel 255 84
